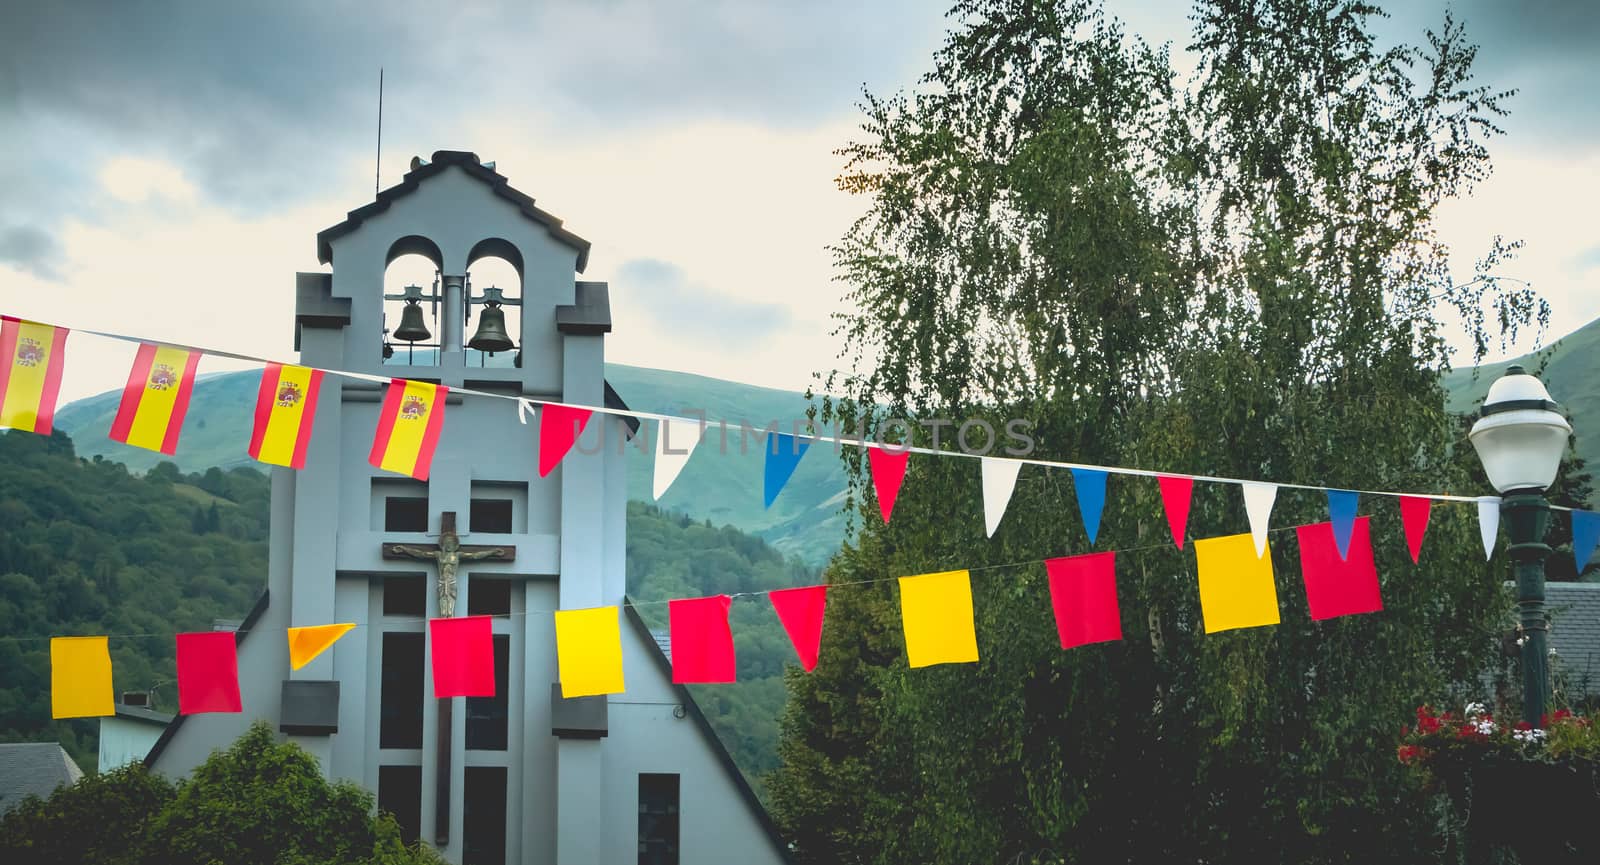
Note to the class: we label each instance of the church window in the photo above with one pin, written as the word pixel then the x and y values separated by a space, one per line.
pixel 491 515
pixel 400 793
pixel 400 709
pixel 405 596
pixel 487 596
pixel 488 717
pixel 658 819
pixel 483 816
pixel 405 514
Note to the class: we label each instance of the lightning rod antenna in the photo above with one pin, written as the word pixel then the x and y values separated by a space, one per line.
pixel 377 171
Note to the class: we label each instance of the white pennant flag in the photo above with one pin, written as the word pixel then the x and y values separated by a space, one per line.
pixel 677 439
pixel 1258 499
pixel 1488 523
pixel 999 479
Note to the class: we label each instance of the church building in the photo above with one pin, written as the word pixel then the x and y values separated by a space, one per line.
pixel 525 776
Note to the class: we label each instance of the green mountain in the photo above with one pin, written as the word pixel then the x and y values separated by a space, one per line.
pixel 1569 367
pixel 722 481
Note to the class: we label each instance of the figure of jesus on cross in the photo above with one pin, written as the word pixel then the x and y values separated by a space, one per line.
pixel 447 555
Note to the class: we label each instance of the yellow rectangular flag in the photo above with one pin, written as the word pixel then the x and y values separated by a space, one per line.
pixel 936 610
pixel 80 678
pixel 1236 585
pixel 589 651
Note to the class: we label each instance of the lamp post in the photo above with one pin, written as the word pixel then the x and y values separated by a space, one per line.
pixel 1520 437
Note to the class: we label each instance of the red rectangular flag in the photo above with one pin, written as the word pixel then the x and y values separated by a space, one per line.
pixel 1335 585
pixel 702 642
pixel 31 358
pixel 463 656
pixel 208 673
pixel 286 406
pixel 1083 591
pixel 408 427
pixel 156 398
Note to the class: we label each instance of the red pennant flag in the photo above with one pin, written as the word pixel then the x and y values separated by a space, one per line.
pixel 463 656
pixel 800 611
pixel 1083 591
pixel 888 470
pixel 559 428
pixel 1338 586
pixel 1414 511
pixel 208 673
pixel 702 643
pixel 1175 494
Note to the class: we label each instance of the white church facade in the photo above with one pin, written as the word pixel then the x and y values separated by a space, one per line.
pixel 525 776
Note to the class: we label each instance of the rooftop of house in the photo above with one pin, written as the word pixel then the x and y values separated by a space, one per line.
pixel 1575 632
pixel 33 769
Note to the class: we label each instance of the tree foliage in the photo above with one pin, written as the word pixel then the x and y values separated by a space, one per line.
pixel 260 801
pixel 1232 275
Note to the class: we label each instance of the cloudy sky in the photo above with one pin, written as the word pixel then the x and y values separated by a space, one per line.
pixel 166 165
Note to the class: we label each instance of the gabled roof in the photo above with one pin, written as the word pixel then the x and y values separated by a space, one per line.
pixel 1575 632
pixel 469 163
pixel 33 769
pixel 250 619
pixel 662 656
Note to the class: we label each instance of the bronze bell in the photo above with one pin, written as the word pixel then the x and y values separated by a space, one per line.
pixel 411 328
pixel 491 336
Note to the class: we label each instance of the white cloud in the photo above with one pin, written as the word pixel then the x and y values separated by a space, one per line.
pixel 132 180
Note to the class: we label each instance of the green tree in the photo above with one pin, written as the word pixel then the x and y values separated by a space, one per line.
pixel 260 801
pixel 1238 276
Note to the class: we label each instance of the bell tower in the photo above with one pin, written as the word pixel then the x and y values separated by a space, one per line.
pixel 454 277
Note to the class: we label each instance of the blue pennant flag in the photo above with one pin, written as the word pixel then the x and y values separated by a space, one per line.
pixel 1091 487
pixel 1585 536
pixel 1342 511
pixel 783 454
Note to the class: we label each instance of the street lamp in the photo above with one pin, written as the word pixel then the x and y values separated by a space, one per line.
pixel 1520 437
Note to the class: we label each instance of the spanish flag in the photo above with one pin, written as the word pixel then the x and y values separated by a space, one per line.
pixel 31 357
pixel 286 406
pixel 408 427
pixel 156 398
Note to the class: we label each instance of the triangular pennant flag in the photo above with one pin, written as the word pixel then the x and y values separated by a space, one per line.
pixel 1414 512
pixel 1091 487
pixel 783 454
pixel 1258 499
pixel 1585 536
pixel 80 678
pixel 999 479
pixel 888 471
pixel 589 651
pixel 678 440
pixel 1338 585
pixel 801 611
pixel 1488 523
pixel 936 612
pixel 1175 495
pixel 1236 587
pixel 1083 593
pixel 1342 513
pixel 702 642
pixel 463 656
pixel 208 673
pixel 559 428
pixel 306 643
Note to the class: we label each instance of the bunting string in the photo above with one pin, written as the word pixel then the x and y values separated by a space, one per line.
pixel 795 443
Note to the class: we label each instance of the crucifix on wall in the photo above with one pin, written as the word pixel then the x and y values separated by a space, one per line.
pixel 447 556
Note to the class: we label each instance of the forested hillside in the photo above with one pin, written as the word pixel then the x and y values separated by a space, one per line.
pixel 87 548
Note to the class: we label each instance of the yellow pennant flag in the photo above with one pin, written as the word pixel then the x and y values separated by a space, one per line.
pixel 936 610
pixel 1236 586
pixel 589 651
pixel 80 678
pixel 306 643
